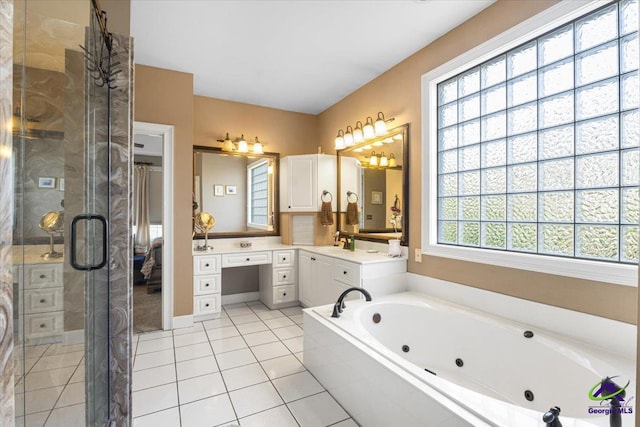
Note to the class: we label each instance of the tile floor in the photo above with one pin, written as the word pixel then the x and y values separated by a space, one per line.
pixel 245 368
pixel 52 391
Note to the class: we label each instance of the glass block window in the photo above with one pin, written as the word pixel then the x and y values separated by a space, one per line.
pixel 258 194
pixel 538 147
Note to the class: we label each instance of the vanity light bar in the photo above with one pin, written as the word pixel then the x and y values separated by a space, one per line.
pixel 361 133
pixel 241 145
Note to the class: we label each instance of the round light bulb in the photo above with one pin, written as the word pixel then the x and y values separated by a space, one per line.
pixel 380 126
pixel 257 147
pixel 383 160
pixel 242 145
pixel 340 140
pixel 367 130
pixel 348 137
pixel 373 160
pixel 357 133
pixel 227 144
pixel 392 161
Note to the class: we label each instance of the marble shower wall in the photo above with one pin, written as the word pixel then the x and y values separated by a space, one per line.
pixel 6 216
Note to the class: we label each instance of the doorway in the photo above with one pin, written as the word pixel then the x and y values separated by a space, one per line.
pixel 153 288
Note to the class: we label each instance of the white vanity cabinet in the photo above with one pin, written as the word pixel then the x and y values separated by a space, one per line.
pixel 315 279
pixel 207 288
pixel 323 278
pixel 279 280
pixel 303 178
pixel 43 301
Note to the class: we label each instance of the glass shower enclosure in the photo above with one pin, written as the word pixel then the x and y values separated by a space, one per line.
pixel 70 173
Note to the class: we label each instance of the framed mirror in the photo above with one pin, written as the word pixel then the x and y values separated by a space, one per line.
pixel 373 187
pixel 239 190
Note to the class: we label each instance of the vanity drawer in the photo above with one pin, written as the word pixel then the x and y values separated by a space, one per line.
pixel 206 304
pixel 249 258
pixel 206 284
pixel 43 275
pixel 347 273
pixel 43 300
pixel 43 325
pixel 286 293
pixel 283 259
pixel 206 264
pixel 284 276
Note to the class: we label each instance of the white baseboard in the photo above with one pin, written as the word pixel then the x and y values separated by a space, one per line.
pixel 182 321
pixel 73 337
pixel 242 297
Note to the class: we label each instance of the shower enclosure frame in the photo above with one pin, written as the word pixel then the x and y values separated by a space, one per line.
pixel 107 189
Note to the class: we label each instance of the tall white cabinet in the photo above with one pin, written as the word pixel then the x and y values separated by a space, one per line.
pixel 303 178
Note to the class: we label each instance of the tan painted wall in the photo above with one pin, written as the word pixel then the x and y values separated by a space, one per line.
pixel 166 97
pixel 397 93
pixel 282 131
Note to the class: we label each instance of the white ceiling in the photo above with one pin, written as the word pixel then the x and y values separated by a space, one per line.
pixel 293 55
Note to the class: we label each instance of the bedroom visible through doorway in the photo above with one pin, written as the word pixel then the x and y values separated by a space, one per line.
pixel 152 275
pixel 148 205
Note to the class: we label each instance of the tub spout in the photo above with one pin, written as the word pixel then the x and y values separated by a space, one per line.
pixel 339 305
pixel 552 418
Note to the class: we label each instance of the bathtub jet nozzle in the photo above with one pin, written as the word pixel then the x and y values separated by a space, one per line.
pixel 339 306
pixel 552 418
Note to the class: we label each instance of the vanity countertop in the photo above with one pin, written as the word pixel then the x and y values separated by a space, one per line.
pixel 30 254
pixel 359 256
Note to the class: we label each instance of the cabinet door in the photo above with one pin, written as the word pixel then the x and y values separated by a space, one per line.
pixel 325 287
pixel 302 184
pixel 305 278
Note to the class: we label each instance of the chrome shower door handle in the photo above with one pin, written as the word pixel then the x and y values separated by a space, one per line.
pixel 74 223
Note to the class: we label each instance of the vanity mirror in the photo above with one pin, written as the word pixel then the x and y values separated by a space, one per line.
pixel 239 190
pixel 373 176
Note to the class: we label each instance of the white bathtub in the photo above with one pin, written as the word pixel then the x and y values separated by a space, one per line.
pixel 363 365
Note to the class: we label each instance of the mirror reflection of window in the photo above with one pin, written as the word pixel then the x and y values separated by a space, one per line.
pixel 258 206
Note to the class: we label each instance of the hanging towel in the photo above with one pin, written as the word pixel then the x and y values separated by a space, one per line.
pixel 352 213
pixel 326 215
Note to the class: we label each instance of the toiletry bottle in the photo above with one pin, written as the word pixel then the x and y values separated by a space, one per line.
pixel 352 243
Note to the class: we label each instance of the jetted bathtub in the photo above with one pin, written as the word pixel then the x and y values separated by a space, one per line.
pixel 411 360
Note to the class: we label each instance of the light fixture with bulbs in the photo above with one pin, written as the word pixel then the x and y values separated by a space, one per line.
pixel 348 137
pixel 384 162
pixel 257 147
pixel 392 161
pixel 241 146
pixel 379 161
pixel 367 130
pixel 370 131
pixel 340 140
pixel 373 160
pixel 380 128
pixel 358 136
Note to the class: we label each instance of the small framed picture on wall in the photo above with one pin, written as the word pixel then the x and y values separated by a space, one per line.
pixel 376 197
pixel 218 190
pixel 231 189
pixel 46 182
pixel 61 184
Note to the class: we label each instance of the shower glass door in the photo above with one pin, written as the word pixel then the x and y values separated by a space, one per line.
pixel 63 230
